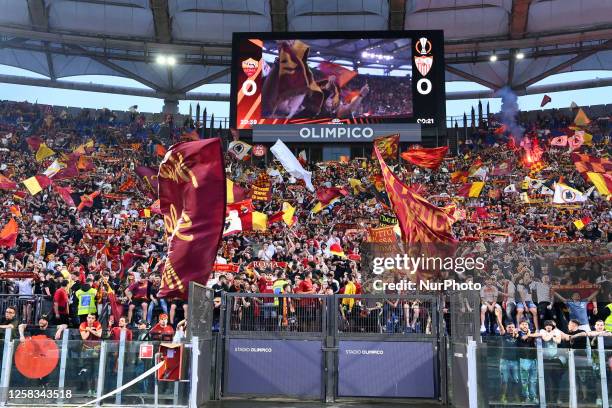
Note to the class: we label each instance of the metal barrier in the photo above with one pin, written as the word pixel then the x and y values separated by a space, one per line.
pixel 386 315
pixel 318 347
pixel 83 372
pixel 265 315
pixel 28 308
pixel 464 315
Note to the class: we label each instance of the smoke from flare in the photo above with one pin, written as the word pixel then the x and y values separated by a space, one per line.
pixel 509 112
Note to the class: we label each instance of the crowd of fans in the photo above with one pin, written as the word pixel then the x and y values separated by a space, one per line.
pixel 544 277
pixel 109 255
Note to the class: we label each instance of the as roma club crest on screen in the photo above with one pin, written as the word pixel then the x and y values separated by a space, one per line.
pixel 250 66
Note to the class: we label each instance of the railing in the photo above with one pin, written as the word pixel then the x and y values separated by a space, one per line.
pixel 543 376
pixel 414 315
pixel 28 308
pixel 83 372
pixel 285 314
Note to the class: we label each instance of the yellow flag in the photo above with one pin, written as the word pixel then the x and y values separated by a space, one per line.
pixel 356 185
pixel 288 212
pixel 43 152
pixel 601 181
pixel 476 188
pixel 581 118
pixel 579 224
pixel 32 185
pixel 260 221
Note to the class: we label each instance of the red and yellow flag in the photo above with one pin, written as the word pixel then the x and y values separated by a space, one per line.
pixel 419 220
pixel 425 157
pixel 602 182
pixel 192 195
pixel 471 189
pixel 388 146
pixel 235 193
pixel 585 163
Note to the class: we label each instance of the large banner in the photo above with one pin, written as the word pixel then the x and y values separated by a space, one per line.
pixel 386 369
pixel 192 200
pixel 274 368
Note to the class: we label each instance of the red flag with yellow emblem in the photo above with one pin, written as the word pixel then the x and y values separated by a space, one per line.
pixel 192 200
pixel 419 220
pixel 388 147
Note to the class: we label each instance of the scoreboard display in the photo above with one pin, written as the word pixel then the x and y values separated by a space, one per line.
pixel 304 85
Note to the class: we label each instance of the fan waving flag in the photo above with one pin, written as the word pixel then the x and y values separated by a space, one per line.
pixel 43 152
pixel 149 176
pixel 235 193
pixel 336 249
pixel 585 163
pixel 291 164
pixel 37 183
pixel 419 220
pixel 424 157
pixel 192 196
pixel 7 184
pixel 602 182
pixel 8 235
pixel 343 75
pixel 388 146
pixel 565 194
pixel 471 189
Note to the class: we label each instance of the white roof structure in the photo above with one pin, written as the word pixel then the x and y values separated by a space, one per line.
pixel 63 38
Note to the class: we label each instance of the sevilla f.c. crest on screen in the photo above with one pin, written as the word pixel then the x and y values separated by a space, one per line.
pixel 250 66
pixel 423 64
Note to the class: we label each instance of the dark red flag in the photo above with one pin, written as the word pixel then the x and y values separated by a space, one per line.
pixel 34 142
pixel 192 200
pixel 546 99
pixel 149 176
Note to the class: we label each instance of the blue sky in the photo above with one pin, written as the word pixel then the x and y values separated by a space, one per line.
pixel 52 96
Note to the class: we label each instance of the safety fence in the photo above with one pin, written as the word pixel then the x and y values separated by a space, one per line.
pixel 73 372
pixel 547 375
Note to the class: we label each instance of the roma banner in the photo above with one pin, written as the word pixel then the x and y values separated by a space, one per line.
pixel 262 188
pixel 192 200
pixel 419 220
pixel 430 158
pixel 382 235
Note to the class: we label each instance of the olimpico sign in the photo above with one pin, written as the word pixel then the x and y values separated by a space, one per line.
pixel 332 133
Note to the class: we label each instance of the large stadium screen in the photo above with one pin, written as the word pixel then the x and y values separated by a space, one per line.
pixel 338 78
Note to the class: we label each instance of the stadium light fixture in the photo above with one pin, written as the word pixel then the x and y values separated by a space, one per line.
pixel 520 55
pixel 168 60
pixel 493 58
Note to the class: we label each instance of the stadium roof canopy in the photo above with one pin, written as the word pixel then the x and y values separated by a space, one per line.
pixel 63 38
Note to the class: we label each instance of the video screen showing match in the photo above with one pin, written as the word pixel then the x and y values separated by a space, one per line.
pixel 285 81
